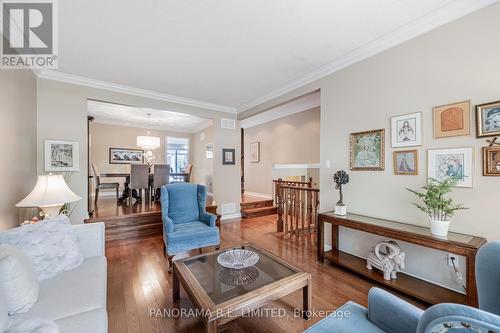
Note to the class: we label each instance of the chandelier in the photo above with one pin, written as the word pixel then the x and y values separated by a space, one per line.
pixel 148 142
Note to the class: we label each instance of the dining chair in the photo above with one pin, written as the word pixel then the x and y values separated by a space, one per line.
pixel 189 169
pixel 161 176
pixel 102 186
pixel 139 180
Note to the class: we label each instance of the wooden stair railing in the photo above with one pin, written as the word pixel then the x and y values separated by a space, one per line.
pixel 280 182
pixel 297 209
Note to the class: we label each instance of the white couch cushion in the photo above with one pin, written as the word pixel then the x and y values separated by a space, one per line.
pixel 79 290
pixel 51 244
pixel 95 321
pixel 18 281
pixel 34 326
pixel 4 316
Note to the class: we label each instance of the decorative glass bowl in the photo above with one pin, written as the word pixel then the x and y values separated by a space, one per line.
pixel 238 277
pixel 237 258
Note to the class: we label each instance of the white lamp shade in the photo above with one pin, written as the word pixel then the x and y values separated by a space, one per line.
pixel 148 142
pixel 49 190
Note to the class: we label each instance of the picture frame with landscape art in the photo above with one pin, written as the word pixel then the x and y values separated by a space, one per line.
pixel 406 130
pixel 488 119
pixel 454 162
pixel 452 120
pixel 125 156
pixel 61 155
pixel 406 162
pixel 491 161
pixel 367 151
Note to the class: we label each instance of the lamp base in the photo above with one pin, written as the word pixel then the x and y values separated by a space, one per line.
pixel 51 211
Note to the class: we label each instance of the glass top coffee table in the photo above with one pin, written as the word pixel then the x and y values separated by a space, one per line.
pixel 222 294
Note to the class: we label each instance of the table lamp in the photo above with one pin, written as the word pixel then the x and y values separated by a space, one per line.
pixel 50 194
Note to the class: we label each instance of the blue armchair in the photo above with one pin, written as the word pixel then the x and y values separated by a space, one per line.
pixel 186 223
pixel 390 314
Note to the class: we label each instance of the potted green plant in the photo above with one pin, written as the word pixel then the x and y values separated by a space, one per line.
pixel 436 205
pixel 340 178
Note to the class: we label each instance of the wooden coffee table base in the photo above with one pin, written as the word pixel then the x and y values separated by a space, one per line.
pixel 222 313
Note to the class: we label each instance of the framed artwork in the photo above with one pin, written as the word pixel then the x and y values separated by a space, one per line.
pixel 368 151
pixel 228 156
pixel 491 161
pixel 210 150
pixel 406 130
pixel 125 156
pixel 452 120
pixel 488 119
pixel 445 163
pixel 406 162
pixel 255 152
pixel 61 155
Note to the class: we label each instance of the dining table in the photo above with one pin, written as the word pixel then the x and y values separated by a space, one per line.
pixel 135 195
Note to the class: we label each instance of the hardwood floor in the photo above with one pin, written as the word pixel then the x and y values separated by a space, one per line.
pixel 139 284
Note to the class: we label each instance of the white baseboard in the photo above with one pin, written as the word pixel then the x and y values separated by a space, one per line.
pixel 230 216
pixel 259 195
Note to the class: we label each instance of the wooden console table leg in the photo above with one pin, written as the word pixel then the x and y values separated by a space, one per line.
pixel 307 299
pixel 335 237
pixel 472 299
pixel 321 240
pixel 175 286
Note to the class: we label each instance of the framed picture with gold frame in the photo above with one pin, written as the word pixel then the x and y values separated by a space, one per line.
pixel 406 162
pixel 491 161
pixel 452 120
pixel 368 150
pixel 488 119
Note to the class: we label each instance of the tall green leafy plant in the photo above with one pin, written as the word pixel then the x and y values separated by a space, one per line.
pixel 435 203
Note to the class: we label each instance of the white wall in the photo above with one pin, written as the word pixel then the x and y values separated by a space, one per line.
pixel 290 140
pixel 62 114
pixel 18 128
pixel 203 167
pixel 105 136
pixel 459 61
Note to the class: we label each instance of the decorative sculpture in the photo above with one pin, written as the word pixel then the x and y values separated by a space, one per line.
pixel 340 178
pixel 390 262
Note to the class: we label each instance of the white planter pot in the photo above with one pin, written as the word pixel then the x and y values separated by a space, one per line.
pixel 439 228
pixel 340 210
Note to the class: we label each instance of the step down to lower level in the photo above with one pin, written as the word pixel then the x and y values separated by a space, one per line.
pixel 259 211
pixel 256 204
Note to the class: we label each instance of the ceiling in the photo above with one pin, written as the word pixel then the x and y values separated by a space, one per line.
pixel 234 53
pixel 123 115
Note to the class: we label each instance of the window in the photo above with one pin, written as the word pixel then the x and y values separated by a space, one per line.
pixel 177 154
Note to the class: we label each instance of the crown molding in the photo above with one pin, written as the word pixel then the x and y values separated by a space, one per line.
pixel 302 104
pixel 417 27
pixel 87 82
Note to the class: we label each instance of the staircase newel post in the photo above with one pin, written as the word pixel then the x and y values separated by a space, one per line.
pixel 279 198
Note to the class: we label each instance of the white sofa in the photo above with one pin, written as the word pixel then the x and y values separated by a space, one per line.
pixel 76 300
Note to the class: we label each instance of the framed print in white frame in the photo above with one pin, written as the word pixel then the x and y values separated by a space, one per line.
pixel 455 162
pixel 406 130
pixel 255 152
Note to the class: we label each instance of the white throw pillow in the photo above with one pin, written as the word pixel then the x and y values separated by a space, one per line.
pixel 4 315
pixel 51 245
pixel 18 281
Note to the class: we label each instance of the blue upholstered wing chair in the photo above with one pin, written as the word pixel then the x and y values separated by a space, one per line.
pixel 186 223
pixel 388 313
